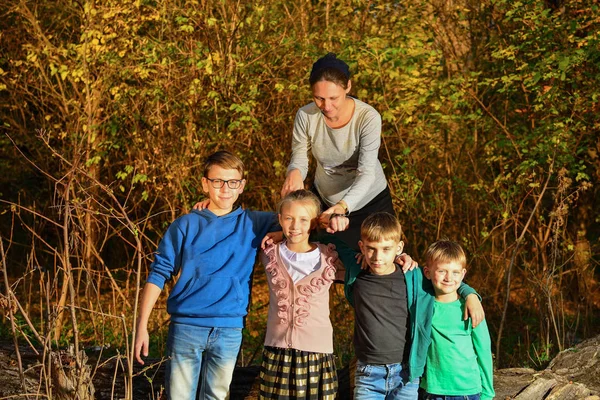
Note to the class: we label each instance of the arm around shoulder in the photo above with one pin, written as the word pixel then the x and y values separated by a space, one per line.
pixel 300 145
pixel 473 307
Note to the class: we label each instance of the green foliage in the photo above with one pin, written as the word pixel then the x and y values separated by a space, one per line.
pixel 487 108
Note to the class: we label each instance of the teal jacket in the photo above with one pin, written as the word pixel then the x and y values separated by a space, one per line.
pixel 420 295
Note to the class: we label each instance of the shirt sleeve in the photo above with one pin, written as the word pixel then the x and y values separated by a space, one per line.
pixel 464 290
pixel 483 349
pixel 266 222
pixel 368 158
pixel 167 259
pixel 348 258
pixel 340 270
pixel 300 144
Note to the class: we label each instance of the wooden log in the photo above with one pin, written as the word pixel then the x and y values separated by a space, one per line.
pixel 537 390
pixel 569 391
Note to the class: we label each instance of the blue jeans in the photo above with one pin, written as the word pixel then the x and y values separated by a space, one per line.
pixel 430 396
pixel 200 356
pixel 384 381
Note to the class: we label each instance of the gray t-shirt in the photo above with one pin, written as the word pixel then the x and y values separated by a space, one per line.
pixel 381 317
pixel 347 161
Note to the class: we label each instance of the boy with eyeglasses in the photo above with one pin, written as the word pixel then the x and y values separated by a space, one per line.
pixel 213 250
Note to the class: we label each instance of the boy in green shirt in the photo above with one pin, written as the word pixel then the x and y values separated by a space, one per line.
pixel 459 358
pixel 393 312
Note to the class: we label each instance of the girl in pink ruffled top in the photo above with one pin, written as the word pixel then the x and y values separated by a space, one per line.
pixel 298 360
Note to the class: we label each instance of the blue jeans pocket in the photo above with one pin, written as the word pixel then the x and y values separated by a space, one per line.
pixel 363 370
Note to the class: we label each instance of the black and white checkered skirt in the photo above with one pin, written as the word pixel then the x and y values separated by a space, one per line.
pixel 297 374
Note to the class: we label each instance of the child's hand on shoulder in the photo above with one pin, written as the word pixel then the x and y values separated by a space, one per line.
pixel 271 238
pixel 473 309
pixel 406 262
pixel 360 259
pixel 201 205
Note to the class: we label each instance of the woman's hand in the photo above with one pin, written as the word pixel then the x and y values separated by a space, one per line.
pixel 406 262
pixel 334 219
pixel 271 238
pixel 293 181
pixel 334 222
pixel 473 309
pixel 201 205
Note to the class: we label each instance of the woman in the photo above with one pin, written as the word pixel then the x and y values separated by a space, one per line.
pixel 343 135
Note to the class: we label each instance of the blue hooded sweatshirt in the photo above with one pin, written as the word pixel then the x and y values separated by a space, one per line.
pixel 215 257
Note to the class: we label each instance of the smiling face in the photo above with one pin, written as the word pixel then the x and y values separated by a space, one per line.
pixel 222 200
pixel 330 98
pixel 446 278
pixel 297 218
pixel 380 255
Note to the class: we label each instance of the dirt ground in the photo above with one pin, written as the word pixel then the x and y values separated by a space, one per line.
pixel 574 375
pixel 109 378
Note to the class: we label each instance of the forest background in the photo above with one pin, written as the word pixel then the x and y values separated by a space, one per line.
pixel 107 109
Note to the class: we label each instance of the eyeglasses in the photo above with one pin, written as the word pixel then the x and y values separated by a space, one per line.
pixel 231 183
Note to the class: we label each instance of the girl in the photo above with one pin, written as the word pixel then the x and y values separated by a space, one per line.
pixel 298 359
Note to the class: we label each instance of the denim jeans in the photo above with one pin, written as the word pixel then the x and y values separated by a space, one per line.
pixel 384 381
pixel 201 361
pixel 430 396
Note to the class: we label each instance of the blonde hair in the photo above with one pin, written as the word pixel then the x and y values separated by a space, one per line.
pixel 381 226
pixel 225 160
pixel 445 251
pixel 301 195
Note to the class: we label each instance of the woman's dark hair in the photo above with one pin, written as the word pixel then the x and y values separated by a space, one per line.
pixel 332 69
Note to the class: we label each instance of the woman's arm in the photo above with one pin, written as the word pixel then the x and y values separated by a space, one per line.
pixel 293 181
pixel 298 167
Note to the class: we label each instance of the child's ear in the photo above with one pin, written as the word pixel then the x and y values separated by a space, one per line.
pixel 241 188
pixel 360 246
pixel 427 272
pixel 313 223
pixel 400 248
pixel 204 184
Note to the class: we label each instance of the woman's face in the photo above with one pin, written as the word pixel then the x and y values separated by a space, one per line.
pixel 330 98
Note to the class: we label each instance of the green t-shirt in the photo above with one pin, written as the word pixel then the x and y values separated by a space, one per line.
pixel 459 360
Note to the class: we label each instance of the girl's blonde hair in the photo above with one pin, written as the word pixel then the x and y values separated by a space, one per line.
pixel 302 195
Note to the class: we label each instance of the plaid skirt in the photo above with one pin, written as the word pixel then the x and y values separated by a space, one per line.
pixel 297 374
